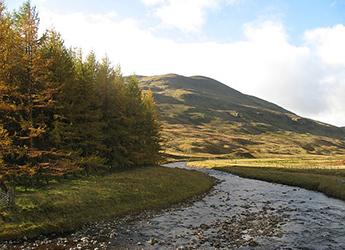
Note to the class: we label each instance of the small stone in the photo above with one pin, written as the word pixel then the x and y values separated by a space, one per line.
pixel 152 241
pixel 84 239
pixel 253 243
pixel 204 227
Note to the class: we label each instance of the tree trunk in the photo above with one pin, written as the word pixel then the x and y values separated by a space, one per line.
pixel 3 187
pixel 11 196
pixel 8 194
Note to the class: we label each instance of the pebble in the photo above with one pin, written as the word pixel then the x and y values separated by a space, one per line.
pixel 152 241
pixel 215 222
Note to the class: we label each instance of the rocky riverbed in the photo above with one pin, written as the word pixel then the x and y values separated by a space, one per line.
pixel 237 213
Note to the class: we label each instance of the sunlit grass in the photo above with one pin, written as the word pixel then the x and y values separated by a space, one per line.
pixel 325 174
pixel 67 205
pixel 304 162
pixel 228 141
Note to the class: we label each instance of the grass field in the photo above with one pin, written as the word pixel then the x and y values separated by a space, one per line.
pixel 67 205
pixel 319 173
pixel 203 118
pixel 226 141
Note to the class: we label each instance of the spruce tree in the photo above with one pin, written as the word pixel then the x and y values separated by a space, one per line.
pixel 134 122
pixel 60 112
pixel 107 93
pixel 82 131
pixel 55 72
pixel 9 100
pixel 151 130
pixel 26 25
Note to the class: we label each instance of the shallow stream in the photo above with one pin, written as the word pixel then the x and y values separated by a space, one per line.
pixel 237 213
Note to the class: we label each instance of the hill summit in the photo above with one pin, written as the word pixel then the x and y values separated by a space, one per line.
pixel 203 117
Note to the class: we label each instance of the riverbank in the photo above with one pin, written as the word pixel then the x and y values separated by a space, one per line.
pixel 322 174
pixel 237 212
pixel 65 206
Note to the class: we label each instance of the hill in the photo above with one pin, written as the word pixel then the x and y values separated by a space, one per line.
pixel 205 118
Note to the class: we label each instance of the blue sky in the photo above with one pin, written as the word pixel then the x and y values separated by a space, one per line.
pixel 297 15
pixel 290 52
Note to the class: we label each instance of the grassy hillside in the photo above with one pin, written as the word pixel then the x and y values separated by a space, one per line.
pixel 203 118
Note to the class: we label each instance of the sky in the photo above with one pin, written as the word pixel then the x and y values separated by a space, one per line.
pixel 290 52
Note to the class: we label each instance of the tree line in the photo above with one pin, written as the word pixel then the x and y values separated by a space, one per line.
pixel 61 112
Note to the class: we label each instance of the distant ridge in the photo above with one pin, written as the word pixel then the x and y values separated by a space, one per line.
pixel 204 117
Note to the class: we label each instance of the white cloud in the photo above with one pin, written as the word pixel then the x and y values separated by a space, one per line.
pixel 185 15
pixel 153 2
pixel 328 43
pixel 308 79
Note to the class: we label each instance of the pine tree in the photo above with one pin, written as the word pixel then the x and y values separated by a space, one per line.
pixel 59 111
pixel 26 24
pixel 82 131
pixel 5 150
pixel 134 122
pixel 36 94
pixel 6 171
pixel 106 90
pixel 9 77
pixel 9 98
pixel 54 70
pixel 151 130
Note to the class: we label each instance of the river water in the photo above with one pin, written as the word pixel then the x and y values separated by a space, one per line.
pixel 237 213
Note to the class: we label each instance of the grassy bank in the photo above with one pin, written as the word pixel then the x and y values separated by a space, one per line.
pixel 322 174
pixel 66 206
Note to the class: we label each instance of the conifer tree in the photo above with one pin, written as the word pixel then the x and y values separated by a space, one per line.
pixel 151 130
pixel 9 98
pixel 5 150
pixel 59 111
pixel 9 71
pixel 106 78
pixel 55 72
pixel 134 122
pixel 83 129
pixel 26 24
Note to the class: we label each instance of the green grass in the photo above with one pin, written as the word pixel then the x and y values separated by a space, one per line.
pixel 296 162
pixel 202 118
pixel 65 206
pixel 318 173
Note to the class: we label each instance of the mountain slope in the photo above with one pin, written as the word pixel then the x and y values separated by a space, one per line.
pixel 205 118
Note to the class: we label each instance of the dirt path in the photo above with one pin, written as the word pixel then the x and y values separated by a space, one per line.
pixel 238 213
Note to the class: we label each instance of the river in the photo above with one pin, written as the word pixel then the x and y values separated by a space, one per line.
pixel 238 213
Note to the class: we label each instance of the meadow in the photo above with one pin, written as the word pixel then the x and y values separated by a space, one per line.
pixel 324 174
pixel 66 205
